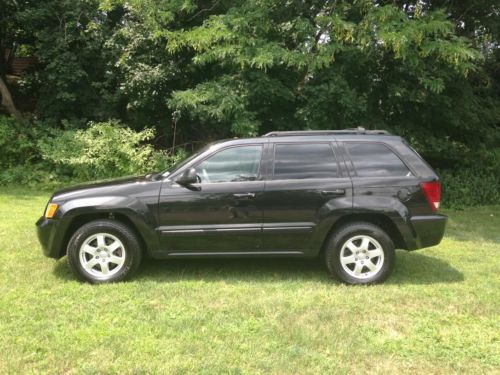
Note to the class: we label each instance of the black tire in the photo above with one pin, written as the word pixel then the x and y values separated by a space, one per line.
pixel 351 231
pixel 130 251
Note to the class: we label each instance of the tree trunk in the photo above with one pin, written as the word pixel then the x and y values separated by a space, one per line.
pixel 7 101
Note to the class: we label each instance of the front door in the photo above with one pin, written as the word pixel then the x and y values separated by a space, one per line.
pixel 222 213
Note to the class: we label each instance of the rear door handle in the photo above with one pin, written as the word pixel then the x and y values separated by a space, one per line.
pixel 244 195
pixel 333 192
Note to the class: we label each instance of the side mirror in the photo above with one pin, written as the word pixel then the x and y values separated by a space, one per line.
pixel 188 177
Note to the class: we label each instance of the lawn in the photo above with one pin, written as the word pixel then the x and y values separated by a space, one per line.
pixel 439 312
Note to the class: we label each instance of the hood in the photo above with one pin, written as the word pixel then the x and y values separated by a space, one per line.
pixel 104 186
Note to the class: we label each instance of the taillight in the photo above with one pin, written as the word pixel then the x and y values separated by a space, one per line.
pixel 432 191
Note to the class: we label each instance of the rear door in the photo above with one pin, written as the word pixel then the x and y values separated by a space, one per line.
pixel 307 189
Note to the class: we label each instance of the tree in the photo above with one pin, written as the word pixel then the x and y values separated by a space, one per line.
pixel 10 33
pixel 145 74
pixel 322 64
pixel 219 68
pixel 69 44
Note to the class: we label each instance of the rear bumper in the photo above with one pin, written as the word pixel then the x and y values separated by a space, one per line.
pixel 426 231
pixel 47 231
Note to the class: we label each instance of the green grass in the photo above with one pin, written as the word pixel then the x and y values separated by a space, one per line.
pixel 439 312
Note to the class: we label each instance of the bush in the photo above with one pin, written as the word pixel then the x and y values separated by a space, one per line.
pixel 103 150
pixel 19 156
pixel 469 187
pixel 37 154
pixel 17 143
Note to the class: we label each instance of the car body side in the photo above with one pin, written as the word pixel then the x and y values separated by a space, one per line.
pixel 277 222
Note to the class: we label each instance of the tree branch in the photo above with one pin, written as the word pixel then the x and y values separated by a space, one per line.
pixel 204 10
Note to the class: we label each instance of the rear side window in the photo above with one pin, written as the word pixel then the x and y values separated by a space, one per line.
pixel 301 161
pixel 376 160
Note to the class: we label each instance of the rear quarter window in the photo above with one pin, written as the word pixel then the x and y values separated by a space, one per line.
pixel 375 160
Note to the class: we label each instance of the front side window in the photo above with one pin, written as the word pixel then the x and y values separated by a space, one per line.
pixel 304 161
pixel 231 165
pixel 376 160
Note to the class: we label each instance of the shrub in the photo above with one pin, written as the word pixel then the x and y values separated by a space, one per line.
pixel 469 187
pixel 19 154
pixel 103 150
pixel 37 154
pixel 17 143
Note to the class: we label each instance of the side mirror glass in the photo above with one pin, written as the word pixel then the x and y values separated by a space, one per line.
pixel 188 177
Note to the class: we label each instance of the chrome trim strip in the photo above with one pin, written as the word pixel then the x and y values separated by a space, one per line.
pixel 288 229
pixel 294 227
pixel 217 228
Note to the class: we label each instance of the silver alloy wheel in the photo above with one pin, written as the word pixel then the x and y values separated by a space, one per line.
pixel 102 255
pixel 362 257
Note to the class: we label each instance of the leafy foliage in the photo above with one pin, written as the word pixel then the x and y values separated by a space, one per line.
pixel 16 143
pixel 247 67
pixel 20 159
pixel 202 70
pixel 69 41
pixel 328 65
pixel 32 156
pixel 103 150
pixel 469 187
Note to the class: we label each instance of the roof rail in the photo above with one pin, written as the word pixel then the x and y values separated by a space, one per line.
pixel 358 130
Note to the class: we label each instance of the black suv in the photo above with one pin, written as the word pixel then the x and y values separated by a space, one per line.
pixel 350 196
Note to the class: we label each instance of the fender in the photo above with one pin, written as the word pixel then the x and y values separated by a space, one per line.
pixel 331 215
pixel 141 215
pixel 390 207
pixel 387 205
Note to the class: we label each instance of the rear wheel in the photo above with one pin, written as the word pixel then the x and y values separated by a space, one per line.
pixel 360 253
pixel 104 251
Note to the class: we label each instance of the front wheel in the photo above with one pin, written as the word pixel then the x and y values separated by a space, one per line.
pixel 103 251
pixel 360 253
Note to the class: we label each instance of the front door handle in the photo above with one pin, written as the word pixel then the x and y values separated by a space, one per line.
pixel 244 195
pixel 333 192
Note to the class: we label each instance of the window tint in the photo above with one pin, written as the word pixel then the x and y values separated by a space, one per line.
pixel 308 160
pixel 376 160
pixel 231 164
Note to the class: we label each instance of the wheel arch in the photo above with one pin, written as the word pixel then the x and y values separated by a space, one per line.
pixel 381 220
pixel 84 218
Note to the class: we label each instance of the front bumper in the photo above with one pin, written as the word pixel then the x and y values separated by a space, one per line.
pixel 427 231
pixel 47 231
